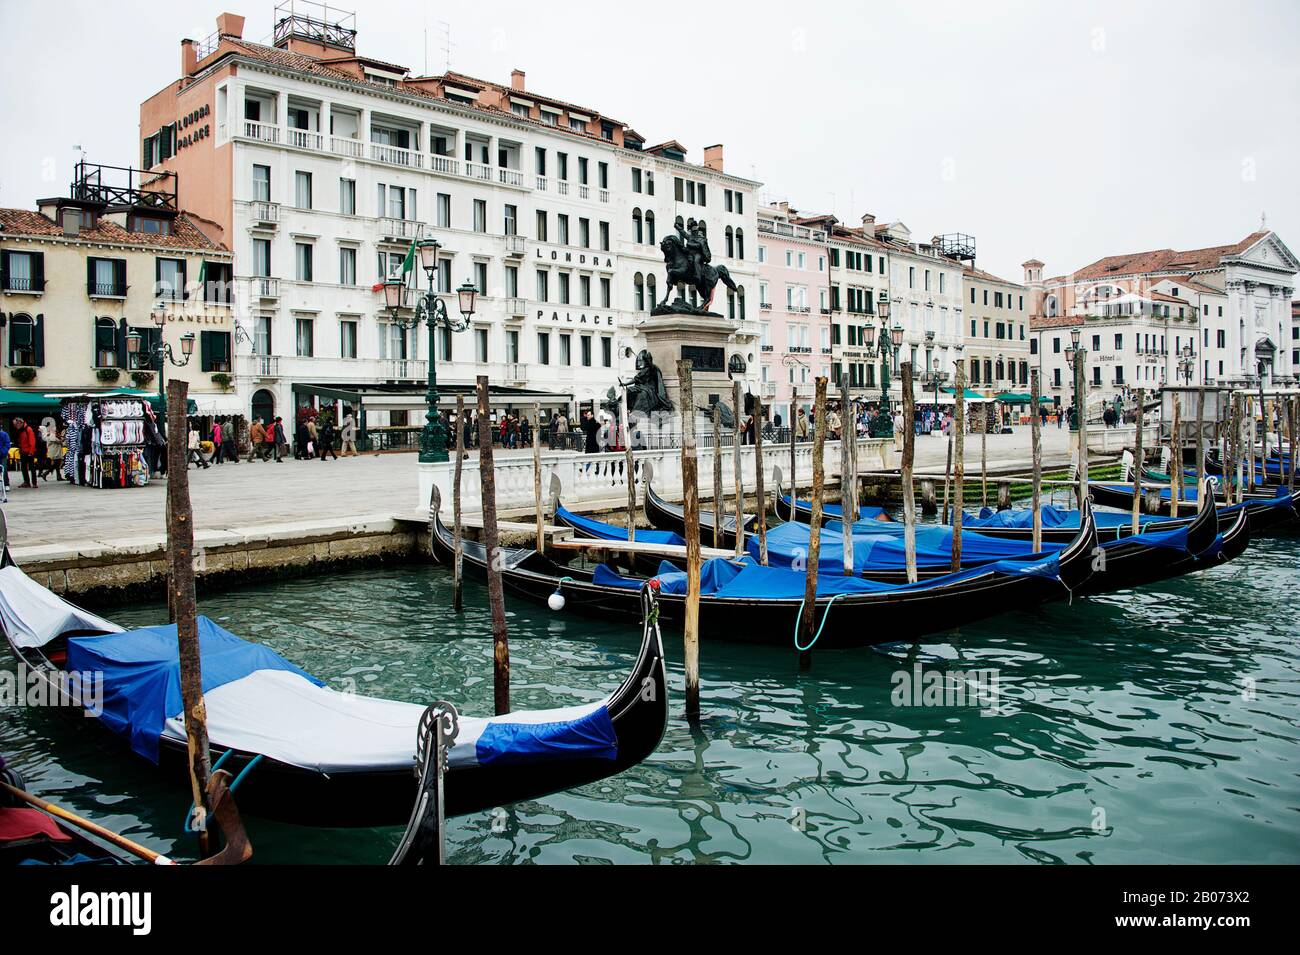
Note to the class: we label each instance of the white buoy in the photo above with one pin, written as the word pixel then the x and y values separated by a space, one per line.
pixel 556 600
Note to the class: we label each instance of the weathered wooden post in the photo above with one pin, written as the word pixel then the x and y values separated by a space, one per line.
pixel 736 400
pixel 492 549
pixel 1175 458
pixel 1081 363
pixel 180 583
pixel 794 478
pixel 1200 450
pixel 1292 412
pixel 984 457
pixel 959 463
pixel 691 516
pixel 1238 459
pixel 847 483
pixel 1138 459
pixel 718 509
pixel 808 620
pixel 947 473
pixel 759 489
pixel 1036 433
pixel 929 502
pixel 909 453
pixel 537 477
pixel 629 467
pixel 457 530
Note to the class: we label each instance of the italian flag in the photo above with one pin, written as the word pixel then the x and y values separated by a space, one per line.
pixel 408 264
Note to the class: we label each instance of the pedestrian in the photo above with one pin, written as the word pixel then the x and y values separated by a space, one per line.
pixel 834 424
pixel 257 438
pixel 590 428
pixel 801 425
pixel 313 437
pixel 5 444
pixel 279 440
pixel 25 438
pixel 349 434
pixel 325 437
pixel 229 447
pixel 218 452
pixel 195 455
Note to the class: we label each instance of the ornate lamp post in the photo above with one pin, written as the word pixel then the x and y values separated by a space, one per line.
pixel 934 379
pixel 1077 359
pixel 1186 363
pixel 161 354
pixel 433 312
pixel 882 426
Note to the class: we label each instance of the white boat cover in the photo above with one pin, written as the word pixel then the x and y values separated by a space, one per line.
pixel 288 718
pixel 33 616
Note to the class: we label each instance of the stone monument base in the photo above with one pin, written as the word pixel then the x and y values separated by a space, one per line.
pixel 705 340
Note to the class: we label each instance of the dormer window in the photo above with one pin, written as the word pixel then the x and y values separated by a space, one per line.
pixel 149 224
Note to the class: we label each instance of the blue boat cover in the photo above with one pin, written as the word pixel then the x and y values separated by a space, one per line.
pixel 505 743
pixel 606 576
pixel 788 543
pixel 836 512
pixel 1023 517
pixel 610 532
pixel 142 674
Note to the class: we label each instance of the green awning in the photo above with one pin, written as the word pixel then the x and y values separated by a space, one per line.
pixel 156 401
pixel 13 401
pixel 1014 398
pixel 968 394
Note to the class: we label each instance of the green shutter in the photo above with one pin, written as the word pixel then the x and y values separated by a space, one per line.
pixel 38 346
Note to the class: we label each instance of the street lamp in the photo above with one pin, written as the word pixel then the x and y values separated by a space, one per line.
pixel 1186 363
pixel 1077 358
pixel 882 426
pixel 433 312
pixel 161 354
pixel 934 379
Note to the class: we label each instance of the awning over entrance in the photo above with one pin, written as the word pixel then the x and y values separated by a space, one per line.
pixel 156 401
pixel 378 397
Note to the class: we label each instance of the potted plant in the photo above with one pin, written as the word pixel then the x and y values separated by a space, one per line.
pixel 222 380
pixel 24 376
pixel 142 379
pixel 108 375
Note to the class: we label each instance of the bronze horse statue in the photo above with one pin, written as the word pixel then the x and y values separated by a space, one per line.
pixel 684 269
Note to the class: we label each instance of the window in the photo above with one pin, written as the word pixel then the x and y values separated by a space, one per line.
pixel 511 220
pixel 480 215
pixel 543 285
pixel 444 211
pixel 512 281
pixel 25 340
pixel 347 266
pixel 262 258
pixel 214 351
pixel 305 337
pixel 564 288
pixel 105 277
pixel 262 183
pixel 636 180
pixel 170 279
pixel 585 350
pixel 302 190
pixel 604 237
pixel 584 289
pixel 543 348
pixel 106 351
pixel 604 292
pixel 566 348
pixel 607 352
pixel 584 233
pixel 481 345
pixel 649 227
pixel 638 289
pixel 582 166
pixel 539 160
pixel 348 338
pixel 512 345
pixel 302 261
pixel 562 229
pixel 480 277
pixel 562 165
pixel 602 174
pixel 541 226
pixel 444 275
pixel 348 197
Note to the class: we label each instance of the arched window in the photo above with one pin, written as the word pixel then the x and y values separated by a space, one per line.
pixel 22 340
pixel 1001 370
pixel 975 372
pixel 650 227
pixel 731 242
pixel 105 343
pixel 731 305
pixel 740 295
pixel 638 282
pixel 650 291
pixel 636 225
pixel 740 243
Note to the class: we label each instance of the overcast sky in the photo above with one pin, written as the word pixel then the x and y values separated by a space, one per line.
pixel 1065 131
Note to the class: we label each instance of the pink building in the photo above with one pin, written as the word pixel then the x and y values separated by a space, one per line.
pixel 794 308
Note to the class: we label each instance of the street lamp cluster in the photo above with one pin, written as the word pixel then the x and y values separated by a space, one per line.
pixel 891 339
pixel 161 353
pixel 432 311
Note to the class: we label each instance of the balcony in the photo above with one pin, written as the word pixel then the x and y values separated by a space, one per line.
pixel 510 177
pixel 767 389
pixel 258 366
pixel 444 164
pixel 562 187
pixel 105 290
pixel 478 170
pixel 343 146
pixel 396 156
pixel 264 213
pixel 516 308
pixel 406 369
pixel 24 285
pixel 304 139
pixel 516 373
pixel 791 231
pixel 399 230
pixel 542 183
pixel 584 191
pixel 514 246
pixel 603 195
pixel 264 286
pixel 262 132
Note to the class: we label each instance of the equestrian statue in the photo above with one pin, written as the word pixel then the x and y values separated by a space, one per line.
pixel 688 261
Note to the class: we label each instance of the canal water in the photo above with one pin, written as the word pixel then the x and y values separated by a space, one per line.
pixel 1156 726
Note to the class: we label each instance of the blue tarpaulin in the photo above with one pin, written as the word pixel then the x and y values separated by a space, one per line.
pixel 504 743
pixel 836 512
pixel 1023 517
pixel 610 532
pixel 142 674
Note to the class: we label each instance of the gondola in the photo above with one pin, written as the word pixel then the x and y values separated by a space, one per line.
pixel 1121 496
pixel 315 756
pixel 743 601
pixel 669 517
pixel 589 528
pixel 789 508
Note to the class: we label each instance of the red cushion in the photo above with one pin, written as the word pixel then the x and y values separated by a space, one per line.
pixel 23 823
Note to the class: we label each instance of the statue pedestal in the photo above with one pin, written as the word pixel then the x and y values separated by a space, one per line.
pixel 706 340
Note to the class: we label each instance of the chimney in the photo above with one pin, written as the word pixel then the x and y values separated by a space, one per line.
pixel 230 24
pixel 189 58
pixel 517 80
pixel 713 157
pixel 868 221
pixel 70 219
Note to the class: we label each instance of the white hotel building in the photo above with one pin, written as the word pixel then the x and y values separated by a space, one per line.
pixel 317 167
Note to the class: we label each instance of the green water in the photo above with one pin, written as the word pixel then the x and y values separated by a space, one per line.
pixel 1128 732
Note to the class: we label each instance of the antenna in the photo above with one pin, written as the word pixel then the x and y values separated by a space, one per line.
pixel 446 45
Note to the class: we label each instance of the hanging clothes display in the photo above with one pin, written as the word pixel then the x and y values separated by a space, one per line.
pixel 106 438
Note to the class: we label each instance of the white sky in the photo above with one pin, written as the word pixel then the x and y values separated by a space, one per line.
pixel 1065 131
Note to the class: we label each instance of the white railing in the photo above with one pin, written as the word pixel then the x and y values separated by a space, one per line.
pixel 592 481
pixel 264 286
pixel 406 368
pixel 258 366
pixel 262 132
pixel 262 211
pixel 398 228
pixel 604 195
pixel 447 164
pixel 514 245
pixel 478 170
pixel 511 177
pixel 516 371
pixel 562 187
pixel 584 191
pixel 345 146
pixel 304 139
pixel 396 156
pixel 516 308
pixel 541 183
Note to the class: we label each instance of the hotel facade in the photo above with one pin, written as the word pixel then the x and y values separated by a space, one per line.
pixel 320 167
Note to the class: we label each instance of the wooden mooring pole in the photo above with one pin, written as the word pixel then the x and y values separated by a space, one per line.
pixel 736 399
pixel 1036 425
pixel 984 457
pixel 537 478
pixel 808 620
pixel 847 482
pixel 759 490
pixel 909 453
pixel 180 551
pixel 1175 458
pixel 629 467
pixel 794 413
pixel 1292 412
pixel 492 549
pixel 1200 450
pixel 1138 459
pixel 457 530
pixel 718 508
pixel 947 473
pixel 959 462
pixel 691 517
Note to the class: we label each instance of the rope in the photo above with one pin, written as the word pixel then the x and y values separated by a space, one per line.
pixel 189 813
pixel 817 635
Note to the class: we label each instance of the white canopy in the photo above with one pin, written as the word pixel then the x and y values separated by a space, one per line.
pixel 33 616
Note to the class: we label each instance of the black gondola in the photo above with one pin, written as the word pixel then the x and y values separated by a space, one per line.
pixel 494 763
pixel 873 613
pixel 670 517
pixel 1121 496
